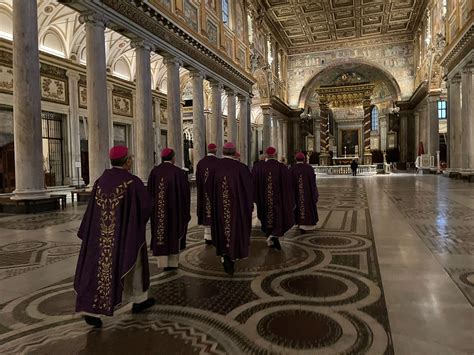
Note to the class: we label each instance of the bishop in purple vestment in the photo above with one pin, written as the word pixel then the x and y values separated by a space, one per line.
pixel 232 206
pixel 306 194
pixel 204 173
pixel 113 261
pixel 168 186
pixel 275 200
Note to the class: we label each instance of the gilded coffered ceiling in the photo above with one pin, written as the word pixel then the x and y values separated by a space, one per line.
pixel 304 24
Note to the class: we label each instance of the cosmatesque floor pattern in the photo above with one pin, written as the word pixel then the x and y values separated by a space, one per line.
pixel 323 293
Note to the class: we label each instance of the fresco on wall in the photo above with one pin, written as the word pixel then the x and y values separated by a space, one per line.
pixel 212 32
pixel 191 14
pixel 211 5
pixel 239 21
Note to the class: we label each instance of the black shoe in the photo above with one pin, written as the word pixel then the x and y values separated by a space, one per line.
pixel 228 265
pixel 94 321
pixel 140 307
pixel 170 268
pixel 208 241
pixel 276 243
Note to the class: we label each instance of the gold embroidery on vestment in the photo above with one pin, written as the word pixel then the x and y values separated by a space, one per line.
pixel 227 213
pixel 301 196
pixel 108 205
pixel 161 213
pixel 269 201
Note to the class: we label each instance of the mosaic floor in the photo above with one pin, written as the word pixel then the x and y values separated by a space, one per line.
pixel 322 294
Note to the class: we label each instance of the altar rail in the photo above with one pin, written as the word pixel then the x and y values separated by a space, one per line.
pixel 345 169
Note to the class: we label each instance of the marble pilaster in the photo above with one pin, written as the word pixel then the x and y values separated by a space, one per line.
pixel 243 145
pixel 97 115
pixel 231 116
pixel 110 112
pixel 403 138
pixel 29 174
pixel 144 111
pixel 455 124
pixel 266 130
pixel 432 126
pixel 423 130
pixel 74 129
pixel 217 136
pixel 285 140
pixel 175 122
pixel 280 138
pixel 296 137
pixel 199 122
pixel 467 119
pixel 417 131
pixel 157 130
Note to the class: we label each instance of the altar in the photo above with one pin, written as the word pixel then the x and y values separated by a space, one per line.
pixel 347 160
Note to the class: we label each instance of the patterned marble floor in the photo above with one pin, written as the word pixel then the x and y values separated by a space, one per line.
pixel 324 293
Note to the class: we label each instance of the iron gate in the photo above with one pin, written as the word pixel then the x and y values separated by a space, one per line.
pixel 53 158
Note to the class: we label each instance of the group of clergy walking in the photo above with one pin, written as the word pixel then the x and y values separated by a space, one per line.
pixel 113 262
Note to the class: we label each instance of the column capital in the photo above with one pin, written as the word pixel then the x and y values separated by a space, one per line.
pixel 229 92
pixel 195 73
pixel 468 69
pixel 93 17
pixel 110 86
pixel 215 84
pixel 455 79
pixel 266 111
pixel 242 97
pixel 141 43
pixel 73 75
pixel 171 60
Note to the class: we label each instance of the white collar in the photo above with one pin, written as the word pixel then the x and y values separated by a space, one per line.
pixel 168 161
pixel 211 155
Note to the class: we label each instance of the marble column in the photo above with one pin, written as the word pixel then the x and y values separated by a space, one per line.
pixel 144 111
pixel 29 174
pixel 403 138
pixel 417 131
pixel 175 122
pixel 266 129
pixel 216 116
pixel 455 125
pixel 467 114
pixel 383 133
pixel 432 126
pixel 231 116
pixel 274 133
pixel 110 111
pixel 285 140
pixel 296 137
pixel 243 145
pixel 423 119
pixel 324 132
pixel 97 115
pixel 74 129
pixel 199 121
pixel 157 130
pixel 280 138
pixel 367 105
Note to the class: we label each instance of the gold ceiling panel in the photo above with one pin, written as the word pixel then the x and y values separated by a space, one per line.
pixel 308 23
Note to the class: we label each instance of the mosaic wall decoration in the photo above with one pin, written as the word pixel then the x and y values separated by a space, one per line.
pixel 122 105
pixel 191 15
pixel 54 90
pixel 212 32
pixel 6 79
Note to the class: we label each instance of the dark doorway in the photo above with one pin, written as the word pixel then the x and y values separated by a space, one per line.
pixel 53 150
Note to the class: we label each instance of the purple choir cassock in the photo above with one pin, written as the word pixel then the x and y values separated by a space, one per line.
pixel 204 172
pixel 255 171
pixel 113 258
pixel 306 195
pixel 232 205
pixel 168 186
pixel 275 200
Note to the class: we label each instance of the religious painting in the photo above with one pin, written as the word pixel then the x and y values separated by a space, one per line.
pixel 349 142
pixel 392 140
pixel 82 96
pixel 212 32
pixel 122 105
pixel 163 115
pixel 191 15
pixel 165 3
pixel 241 56
pixel 239 20
pixel 229 46
pixel 6 79
pixel 54 90
pixel 211 5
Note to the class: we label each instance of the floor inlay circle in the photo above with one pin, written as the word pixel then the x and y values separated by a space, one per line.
pixel 22 246
pixel 299 329
pixel 314 286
